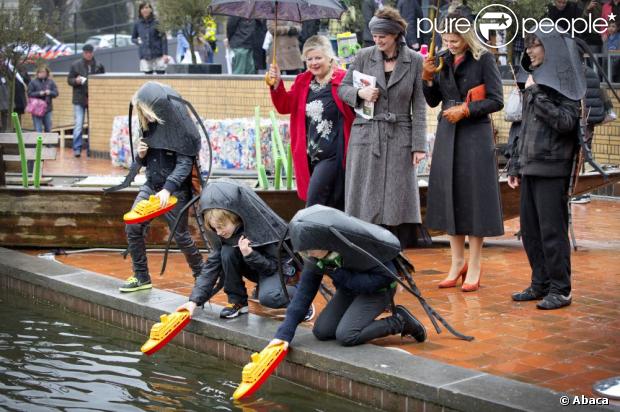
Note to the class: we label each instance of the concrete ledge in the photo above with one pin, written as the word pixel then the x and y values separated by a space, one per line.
pixel 369 374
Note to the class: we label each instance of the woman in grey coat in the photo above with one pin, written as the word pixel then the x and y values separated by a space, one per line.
pixel 463 191
pixel 381 182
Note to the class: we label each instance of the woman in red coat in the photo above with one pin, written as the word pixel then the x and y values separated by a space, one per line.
pixel 320 124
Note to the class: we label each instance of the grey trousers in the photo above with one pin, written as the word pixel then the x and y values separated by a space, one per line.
pixel 350 318
pixel 136 236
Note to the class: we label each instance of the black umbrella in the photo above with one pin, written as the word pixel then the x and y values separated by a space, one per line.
pixel 288 10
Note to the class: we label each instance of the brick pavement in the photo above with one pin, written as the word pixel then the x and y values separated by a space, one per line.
pixel 566 350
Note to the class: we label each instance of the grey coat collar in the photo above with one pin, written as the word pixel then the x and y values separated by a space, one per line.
pixel 400 69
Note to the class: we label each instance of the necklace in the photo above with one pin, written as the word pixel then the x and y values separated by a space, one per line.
pixel 315 86
pixel 390 59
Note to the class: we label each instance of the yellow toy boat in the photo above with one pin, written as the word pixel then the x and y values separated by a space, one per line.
pixel 258 370
pixel 148 209
pixel 163 332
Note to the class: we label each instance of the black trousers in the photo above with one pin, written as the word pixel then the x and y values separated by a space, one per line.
pixel 270 293
pixel 326 185
pixel 350 318
pixel 544 230
pixel 136 236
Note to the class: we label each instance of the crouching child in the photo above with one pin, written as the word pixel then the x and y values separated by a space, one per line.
pixel 245 247
pixel 363 288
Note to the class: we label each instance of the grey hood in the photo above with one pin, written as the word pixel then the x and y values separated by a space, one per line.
pixel 178 131
pixel 260 224
pixel 314 227
pixel 561 69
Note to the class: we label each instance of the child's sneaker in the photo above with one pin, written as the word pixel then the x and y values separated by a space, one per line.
pixel 554 301
pixel 232 310
pixel 133 284
pixel 580 200
pixel 310 314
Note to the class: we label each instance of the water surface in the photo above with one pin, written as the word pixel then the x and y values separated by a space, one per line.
pixel 53 360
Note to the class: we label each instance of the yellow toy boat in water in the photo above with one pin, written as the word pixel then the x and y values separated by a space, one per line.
pixel 163 332
pixel 258 370
pixel 148 209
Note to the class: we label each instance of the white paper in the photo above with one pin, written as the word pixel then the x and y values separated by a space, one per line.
pixel 229 58
pixel 267 41
pixel 366 109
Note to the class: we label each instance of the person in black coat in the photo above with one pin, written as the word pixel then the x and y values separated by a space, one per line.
pixel 369 7
pixel 463 192
pixel 77 78
pixel 411 12
pixel 241 38
pixel 258 53
pixel 44 88
pixel 4 103
pixel 19 100
pixel 563 9
pixel 153 43
pixel 542 162
pixel 596 109
pixel 22 79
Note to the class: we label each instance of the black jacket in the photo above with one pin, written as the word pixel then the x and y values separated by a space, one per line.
pixel 547 141
pixel 309 28
pixel 464 153
pixel 37 85
pixel 263 260
pixel 571 11
pixel 153 43
pixel 411 11
pixel 241 33
pixel 166 169
pixel 21 90
pixel 368 11
pixel 595 105
pixel 82 68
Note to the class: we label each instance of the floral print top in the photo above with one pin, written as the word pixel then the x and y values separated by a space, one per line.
pixel 321 122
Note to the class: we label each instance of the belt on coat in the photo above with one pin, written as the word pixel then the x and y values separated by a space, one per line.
pixel 380 122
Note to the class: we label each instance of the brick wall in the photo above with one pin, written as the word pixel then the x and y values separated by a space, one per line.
pixel 606 146
pixel 218 97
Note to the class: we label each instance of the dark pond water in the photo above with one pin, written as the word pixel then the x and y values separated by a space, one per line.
pixel 54 360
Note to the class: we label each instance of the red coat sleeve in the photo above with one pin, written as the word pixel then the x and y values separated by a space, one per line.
pixel 283 100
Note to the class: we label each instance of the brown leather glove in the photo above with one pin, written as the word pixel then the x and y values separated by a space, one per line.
pixel 428 69
pixel 456 113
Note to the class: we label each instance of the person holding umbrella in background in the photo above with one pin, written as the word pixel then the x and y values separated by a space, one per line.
pixel 292 11
pixel 320 124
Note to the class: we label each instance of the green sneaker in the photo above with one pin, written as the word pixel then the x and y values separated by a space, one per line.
pixel 133 284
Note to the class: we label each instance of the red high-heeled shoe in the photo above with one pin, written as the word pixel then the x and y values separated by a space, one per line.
pixel 447 283
pixel 471 287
